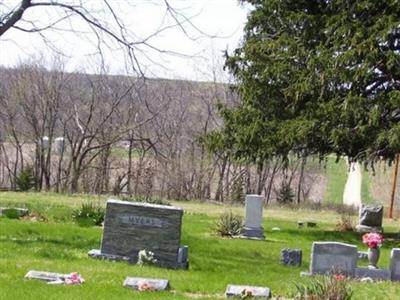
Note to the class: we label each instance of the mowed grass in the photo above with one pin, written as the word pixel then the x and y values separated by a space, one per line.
pixel 59 245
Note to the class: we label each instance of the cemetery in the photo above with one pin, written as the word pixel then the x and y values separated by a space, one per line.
pixel 199 149
pixel 188 260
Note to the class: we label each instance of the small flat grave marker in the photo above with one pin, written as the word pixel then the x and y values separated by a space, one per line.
pixel 146 284
pixel 241 291
pixel 45 276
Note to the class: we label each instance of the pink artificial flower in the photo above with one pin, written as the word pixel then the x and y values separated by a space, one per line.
pixel 372 239
pixel 74 278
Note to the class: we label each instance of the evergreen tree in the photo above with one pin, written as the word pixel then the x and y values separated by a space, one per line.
pixel 317 77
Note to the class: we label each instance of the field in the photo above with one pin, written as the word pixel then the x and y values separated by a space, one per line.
pixel 51 241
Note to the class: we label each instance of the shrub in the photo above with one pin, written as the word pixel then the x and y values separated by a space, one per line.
pixel 284 194
pixel 345 222
pixel 333 287
pixel 89 214
pixel 25 179
pixel 237 193
pixel 229 224
pixel 11 213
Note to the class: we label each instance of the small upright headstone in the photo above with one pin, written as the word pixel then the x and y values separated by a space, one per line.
pixel 291 257
pixel 327 257
pixel 132 227
pixel 254 213
pixel 395 264
pixel 243 291
pixel 370 219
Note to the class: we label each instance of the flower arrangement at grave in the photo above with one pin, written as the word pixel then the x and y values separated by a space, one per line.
pixel 146 258
pixel 373 240
pixel 246 293
pixel 144 285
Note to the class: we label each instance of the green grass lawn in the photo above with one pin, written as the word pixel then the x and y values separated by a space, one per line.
pixel 58 245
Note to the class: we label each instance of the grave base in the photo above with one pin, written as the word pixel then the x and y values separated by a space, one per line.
pixel 364 228
pixel 376 274
pixel 182 263
pixel 252 233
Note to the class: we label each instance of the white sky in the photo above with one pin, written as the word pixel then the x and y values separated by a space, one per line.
pixel 221 18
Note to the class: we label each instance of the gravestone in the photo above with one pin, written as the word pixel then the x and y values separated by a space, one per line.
pixel 243 291
pixel 59 145
pixel 370 218
pixel 327 257
pixel 395 264
pixel 146 284
pixel 131 227
pixel 291 257
pixel 253 222
pixel 45 276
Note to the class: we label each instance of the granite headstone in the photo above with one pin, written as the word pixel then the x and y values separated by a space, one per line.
pixel 253 222
pixel 291 257
pixel 370 219
pixel 131 227
pixel 327 257
pixel 395 264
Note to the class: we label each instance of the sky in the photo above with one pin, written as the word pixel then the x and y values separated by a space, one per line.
pixel 193 51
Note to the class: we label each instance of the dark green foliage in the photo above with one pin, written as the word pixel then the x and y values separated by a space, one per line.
pixel 229 225
pixel 11 213
pixel 237 193
pixel 89 214
pixel 285 194
pixel 316 77
pixel 25 179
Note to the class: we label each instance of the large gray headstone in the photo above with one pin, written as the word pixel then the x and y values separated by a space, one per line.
pixel 130 227
pixel 327 257
pixel 254 213
pixel 395 264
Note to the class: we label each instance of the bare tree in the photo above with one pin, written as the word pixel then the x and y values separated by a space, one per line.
pixel 107 24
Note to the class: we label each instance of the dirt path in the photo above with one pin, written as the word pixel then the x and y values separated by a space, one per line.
pixel 352 189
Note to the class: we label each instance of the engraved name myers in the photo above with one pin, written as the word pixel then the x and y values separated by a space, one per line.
pixel 142 221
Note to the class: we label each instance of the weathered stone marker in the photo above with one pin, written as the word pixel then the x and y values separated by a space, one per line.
pixel 291 257
pixel 370 218
pixel 253 223
pixel 242 291
pixel 146 284
pixel 130 227
pixel 327 257
pixel 395 264
pixel 45 276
